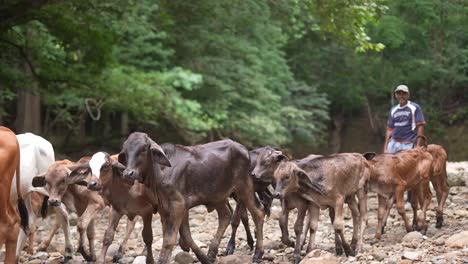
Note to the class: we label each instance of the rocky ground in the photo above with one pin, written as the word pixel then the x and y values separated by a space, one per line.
pixel 446 245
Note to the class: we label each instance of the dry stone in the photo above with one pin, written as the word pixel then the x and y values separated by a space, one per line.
pixel 459 240
pixel 319 256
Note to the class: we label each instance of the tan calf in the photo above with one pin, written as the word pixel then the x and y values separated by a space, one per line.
pixel 392 175
pixel 327 182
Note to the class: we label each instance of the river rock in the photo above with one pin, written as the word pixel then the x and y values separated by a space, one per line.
pixel 459 240
pixel 457 173
pixel 319 256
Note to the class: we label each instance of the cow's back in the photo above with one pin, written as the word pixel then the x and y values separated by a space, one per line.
pixel 342 173
pixel 206 168
pixel 37 154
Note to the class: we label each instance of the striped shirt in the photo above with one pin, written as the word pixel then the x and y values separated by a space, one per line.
pixel 402 121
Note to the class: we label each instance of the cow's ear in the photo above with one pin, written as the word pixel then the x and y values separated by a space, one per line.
pixel 39 181
pixel 280 158
pixel 159 156
pixel 369 155
pixel 122 158
pixel 78 173
pixel 119 166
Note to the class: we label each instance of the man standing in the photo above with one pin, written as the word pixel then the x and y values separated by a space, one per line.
pixel 405 123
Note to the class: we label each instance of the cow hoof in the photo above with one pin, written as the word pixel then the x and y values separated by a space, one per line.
pixel 297 259
pixel 229 250
pixel 42 247
pixel 339 251
pixel 250 242
pixel 257 257
pixel 212 253
pixel 440 220
pixel 288 242
pixel 117 257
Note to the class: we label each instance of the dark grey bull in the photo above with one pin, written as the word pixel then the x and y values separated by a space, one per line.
pixel 199 175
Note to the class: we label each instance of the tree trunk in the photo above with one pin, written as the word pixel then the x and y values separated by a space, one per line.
pixel 124 125
pixel 335 142
pixel 28 117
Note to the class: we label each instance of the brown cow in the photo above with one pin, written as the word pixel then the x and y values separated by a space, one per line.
pixel 392 175
pixel 65 190
pixel 265 165
pixel 438 179
pixel 200 175
pixel 9 220
pixel 326 182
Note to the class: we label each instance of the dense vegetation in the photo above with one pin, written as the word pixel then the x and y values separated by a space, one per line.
pixel 258 71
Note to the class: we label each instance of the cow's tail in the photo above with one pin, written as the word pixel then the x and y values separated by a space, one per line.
pixel 424 139
pixel 44 206
pixel 23 211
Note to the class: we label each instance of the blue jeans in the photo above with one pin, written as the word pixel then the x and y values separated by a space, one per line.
pixel 394 146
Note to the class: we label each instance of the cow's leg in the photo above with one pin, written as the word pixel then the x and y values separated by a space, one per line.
pixel 171 220
pixel 306 227
pixel 114 218
pixel 298 225
pixel 224 216
pixel 235 221
pixel 388 204
pixel 245 223
pixel 283 223
pixel 353 206
pixel 128 231
pixel 400 203
pixel 442 191
pixel 83 223
pixel 362 196
pixel 91 234
pixel 313 214
pixel 45 244
pixel 186 236
pixel 302 206
pixel 338 224
pixel 247 196
pixel 32 221
pixel 147 234
pixel 61 217
pixel 425 195
pixel 338 244
pixel 414 199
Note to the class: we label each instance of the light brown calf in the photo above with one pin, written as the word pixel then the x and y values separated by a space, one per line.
pixel 392 175
pixel 326 182
pixel 64 190
pixel 9 220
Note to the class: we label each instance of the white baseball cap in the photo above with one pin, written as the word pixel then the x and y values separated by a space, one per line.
pixel 402 88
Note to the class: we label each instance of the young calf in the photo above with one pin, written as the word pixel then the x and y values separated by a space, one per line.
pixel 65 192
pixel 392 175
pixel 326 182
pixel 266 163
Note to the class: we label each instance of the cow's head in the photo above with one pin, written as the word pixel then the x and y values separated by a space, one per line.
pixel 287 177
pixel 266 164
pixel 56 181
pixel 140 154
pixel 102 169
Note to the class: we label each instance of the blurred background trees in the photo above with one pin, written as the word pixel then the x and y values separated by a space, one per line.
pixel 310 76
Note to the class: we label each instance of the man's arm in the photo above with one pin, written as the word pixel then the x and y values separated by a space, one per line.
pixel 388 134
pixel 420 128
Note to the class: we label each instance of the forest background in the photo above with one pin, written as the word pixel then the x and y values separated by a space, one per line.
pixel 309 76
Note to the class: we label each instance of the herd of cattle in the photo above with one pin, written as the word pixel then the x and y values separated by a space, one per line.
pixel 146 178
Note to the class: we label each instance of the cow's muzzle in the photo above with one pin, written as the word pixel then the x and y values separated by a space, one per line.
pixel 278 195
pixel 131 175
pixel 53 202
pixel 94 186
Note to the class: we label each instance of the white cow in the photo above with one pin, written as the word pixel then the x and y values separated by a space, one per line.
pixel 36 156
